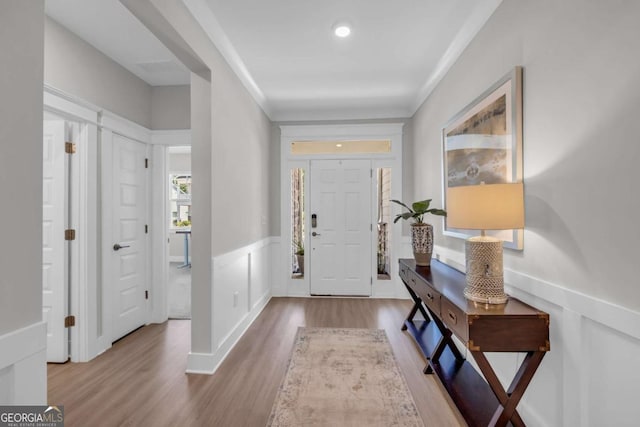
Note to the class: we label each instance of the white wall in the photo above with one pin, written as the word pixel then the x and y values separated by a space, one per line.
pixel 201 237
pixel 230 164
pixel 241 168
pixel 170 107
pixel 22 333
pixel 581 99
pixel 77 68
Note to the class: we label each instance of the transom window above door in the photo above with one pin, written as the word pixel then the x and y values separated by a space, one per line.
pixel 299 148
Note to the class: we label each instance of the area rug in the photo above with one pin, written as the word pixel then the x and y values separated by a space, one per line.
pixel 343 377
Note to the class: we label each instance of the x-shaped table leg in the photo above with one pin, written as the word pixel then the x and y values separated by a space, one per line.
pixel 509 399
pixel 417 305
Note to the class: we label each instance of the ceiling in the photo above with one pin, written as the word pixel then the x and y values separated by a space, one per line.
pixel 285 53
pixel 109 27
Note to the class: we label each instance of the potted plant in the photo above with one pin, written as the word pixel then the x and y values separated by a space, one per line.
pixel 300 256
pixel 421 232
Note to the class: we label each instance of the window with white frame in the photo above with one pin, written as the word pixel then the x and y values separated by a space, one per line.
pixel 180 200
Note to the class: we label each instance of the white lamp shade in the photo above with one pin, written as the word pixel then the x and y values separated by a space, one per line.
pixel 486 206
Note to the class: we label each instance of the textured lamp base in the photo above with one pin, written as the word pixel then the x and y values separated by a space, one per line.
pixel 485 280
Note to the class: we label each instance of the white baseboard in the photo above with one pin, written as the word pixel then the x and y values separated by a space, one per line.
pixel 242 281
pixel 23 366
pixel 208 363
pixel 201 363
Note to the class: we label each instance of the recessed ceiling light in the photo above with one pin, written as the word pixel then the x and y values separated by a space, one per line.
pixel 338 145
pixel 342 29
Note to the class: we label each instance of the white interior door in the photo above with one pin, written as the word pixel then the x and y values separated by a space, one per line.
pixel 129 275
pixel 55 290
pixel 340 199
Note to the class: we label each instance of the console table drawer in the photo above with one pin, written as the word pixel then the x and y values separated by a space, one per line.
pixel 430 297
pixel 455 319
pixel 427 294
pixel 490 333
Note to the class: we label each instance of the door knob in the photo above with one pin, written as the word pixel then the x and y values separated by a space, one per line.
pixel 314 234
pixel 117 246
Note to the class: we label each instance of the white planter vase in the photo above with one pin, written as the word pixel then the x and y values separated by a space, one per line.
pixel 422 242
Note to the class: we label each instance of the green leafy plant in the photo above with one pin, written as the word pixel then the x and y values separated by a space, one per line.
pixel 299 248
pixel 417 211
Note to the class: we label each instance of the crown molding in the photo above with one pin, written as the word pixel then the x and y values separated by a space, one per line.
pixel 467 33
pixel 204 16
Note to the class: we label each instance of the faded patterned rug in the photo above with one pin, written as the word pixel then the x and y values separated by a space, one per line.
pixel 343 377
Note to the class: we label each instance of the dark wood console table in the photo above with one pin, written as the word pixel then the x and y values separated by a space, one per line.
pixel 437 292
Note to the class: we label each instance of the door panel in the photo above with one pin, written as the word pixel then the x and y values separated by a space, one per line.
pixel 340 257
pixel 129 263
pixel 54 248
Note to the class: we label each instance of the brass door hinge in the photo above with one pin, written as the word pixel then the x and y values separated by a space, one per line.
pixel 69 321
pixel 69 147
pixel 70 234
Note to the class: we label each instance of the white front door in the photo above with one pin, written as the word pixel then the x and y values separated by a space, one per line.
pixel 340 201
pixel 55 290
pixel 129 275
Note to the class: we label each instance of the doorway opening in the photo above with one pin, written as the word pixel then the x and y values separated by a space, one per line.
pixel 57 139
pixel 337 233
pixel 179 183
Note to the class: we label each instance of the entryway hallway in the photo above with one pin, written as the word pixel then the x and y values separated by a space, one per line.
pixel 141 380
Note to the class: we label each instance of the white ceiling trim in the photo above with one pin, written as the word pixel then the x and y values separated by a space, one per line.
pixel 361 113
pixel 467 33
pixel 205 17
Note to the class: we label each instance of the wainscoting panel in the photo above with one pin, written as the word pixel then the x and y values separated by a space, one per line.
pixel 260 276
pixel 590 377
pixel 23 366
pixel 278 285
pixel 230 296
pixel 612 376
pixel 242 281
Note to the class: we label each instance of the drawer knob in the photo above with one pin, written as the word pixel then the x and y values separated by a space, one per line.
pixel 453 317
pixel 429 296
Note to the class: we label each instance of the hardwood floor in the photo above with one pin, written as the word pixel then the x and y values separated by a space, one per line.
pixel 141 381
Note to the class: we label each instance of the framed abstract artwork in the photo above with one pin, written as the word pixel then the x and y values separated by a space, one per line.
pixel 483 144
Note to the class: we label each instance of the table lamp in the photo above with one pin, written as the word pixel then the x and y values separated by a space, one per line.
pixel 485 207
